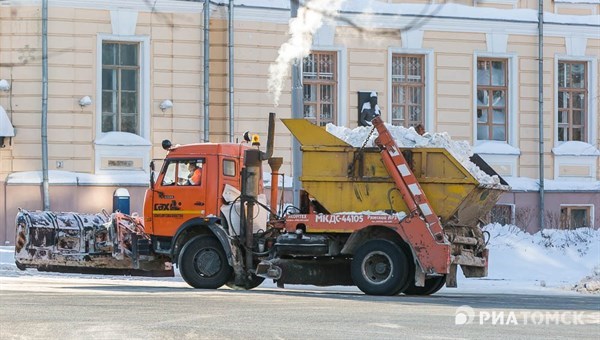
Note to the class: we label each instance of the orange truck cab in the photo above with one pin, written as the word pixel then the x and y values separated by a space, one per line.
pixel 173 203
pixel 173 200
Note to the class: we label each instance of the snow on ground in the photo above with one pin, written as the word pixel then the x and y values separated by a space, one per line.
pixel 461 150
pixel 548 262
pixel 549 258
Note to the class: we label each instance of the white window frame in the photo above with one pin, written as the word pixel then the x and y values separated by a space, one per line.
pixel 591 115
pixel 591 206
pixel 428 109
pixel 144 51
pixel 512 104
pixel 342 87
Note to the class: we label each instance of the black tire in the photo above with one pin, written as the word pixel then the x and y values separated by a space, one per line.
pixel 203 263
pixel 255 282
pixel 410 270
pixel 432 285
pixel 379 267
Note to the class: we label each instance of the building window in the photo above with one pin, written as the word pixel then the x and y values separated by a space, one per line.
pixel 575 217
pixel 503 214
pixel 320 79
pixel 120 87
pixel 408 89
pixel 492 99
pixel 572 99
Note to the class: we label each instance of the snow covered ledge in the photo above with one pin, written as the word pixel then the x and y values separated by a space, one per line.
pixel 575 160
pixel 500 156
pixel 121 151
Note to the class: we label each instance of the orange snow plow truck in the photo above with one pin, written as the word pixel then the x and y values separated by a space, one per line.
pixel 388 220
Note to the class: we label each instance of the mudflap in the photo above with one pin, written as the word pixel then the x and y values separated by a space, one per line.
pixel 86 243
pixel 240 276
pixel 451 281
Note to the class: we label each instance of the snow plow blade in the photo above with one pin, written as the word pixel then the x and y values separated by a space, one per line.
pixel 70 242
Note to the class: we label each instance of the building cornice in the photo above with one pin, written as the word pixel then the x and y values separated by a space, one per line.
pixel 524 24
pixel 450 18
pixel 170 6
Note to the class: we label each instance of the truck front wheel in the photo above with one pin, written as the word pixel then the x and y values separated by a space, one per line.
pixel 203 263
pixel 380 267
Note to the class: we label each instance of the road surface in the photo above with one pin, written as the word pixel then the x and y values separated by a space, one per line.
pixel 37 306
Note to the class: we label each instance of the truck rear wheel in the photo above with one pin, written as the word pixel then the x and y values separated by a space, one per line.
pixel 379 267
pixel 203 263
pixel 432 285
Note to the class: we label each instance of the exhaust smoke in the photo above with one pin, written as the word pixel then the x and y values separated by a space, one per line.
pixel 302 29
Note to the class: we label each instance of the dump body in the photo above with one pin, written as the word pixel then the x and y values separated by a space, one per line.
pixel 343 178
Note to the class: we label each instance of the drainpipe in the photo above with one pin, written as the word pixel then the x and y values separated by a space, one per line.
pixel 45 186
pixel 206 67
pixel 541 104
pixel 297 108
pixel 230 30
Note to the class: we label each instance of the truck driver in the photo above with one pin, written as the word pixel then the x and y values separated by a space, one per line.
pixel 195 174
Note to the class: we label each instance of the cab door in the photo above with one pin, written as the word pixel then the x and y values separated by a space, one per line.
pixel 176 199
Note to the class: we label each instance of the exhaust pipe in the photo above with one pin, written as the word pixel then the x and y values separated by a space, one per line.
pixel 275 164
pixel 270 138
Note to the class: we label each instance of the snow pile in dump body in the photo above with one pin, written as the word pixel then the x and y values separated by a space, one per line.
pixel 552 258
pixel 461 150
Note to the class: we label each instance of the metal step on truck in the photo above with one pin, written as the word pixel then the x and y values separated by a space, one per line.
pixel 386 219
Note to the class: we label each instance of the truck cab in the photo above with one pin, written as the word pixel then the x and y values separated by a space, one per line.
pixel 175 200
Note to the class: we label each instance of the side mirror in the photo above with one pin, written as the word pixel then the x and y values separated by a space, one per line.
pixel 151 174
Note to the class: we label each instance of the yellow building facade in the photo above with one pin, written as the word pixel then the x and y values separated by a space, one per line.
pixel 125 75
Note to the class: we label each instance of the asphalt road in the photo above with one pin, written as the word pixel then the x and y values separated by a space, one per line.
pixel 68 307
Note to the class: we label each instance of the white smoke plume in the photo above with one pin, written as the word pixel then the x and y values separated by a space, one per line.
pixel 302 29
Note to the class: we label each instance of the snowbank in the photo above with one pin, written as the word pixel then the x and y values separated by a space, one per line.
pixel 461 150
pixel 589 284
pixel 551 258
